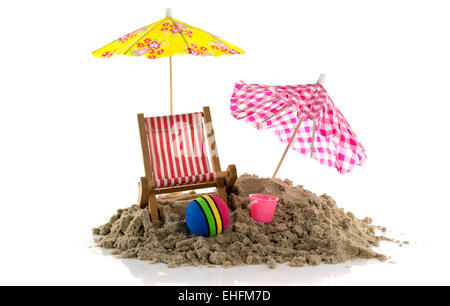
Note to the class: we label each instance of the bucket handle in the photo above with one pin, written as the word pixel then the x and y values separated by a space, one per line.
pixel 252 203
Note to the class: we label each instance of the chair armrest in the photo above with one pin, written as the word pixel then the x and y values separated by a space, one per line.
pixel 222 174
pixel 150 182
pixel 231 177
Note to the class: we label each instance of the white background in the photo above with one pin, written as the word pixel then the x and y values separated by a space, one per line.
pixel 69 144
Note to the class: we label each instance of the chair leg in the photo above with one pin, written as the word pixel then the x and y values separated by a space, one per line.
pixel 153 206
pixel 221 189
pixel 147 196
pixel 143 192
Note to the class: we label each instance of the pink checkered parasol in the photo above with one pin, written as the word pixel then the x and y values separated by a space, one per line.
pixel 305 117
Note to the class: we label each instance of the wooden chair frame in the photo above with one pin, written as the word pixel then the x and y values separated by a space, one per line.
pixel 224 181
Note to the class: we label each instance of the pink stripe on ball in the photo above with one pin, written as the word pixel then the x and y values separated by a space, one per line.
pixel 223 209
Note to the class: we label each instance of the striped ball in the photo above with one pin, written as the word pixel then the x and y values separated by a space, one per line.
pixel 207 216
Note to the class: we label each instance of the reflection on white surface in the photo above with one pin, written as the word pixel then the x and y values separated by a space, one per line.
pixel 160 274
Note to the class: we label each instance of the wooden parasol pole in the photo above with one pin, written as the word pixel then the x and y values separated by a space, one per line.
pixel 169 15
pixel 321 80
pixel 171 97
pixel 287 147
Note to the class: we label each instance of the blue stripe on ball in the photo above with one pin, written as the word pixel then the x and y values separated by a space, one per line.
pixel 196 220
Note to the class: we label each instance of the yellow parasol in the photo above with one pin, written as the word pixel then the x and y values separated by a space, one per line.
pixel 168 37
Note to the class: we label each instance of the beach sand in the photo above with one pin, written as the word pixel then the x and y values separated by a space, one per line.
pixel 306 229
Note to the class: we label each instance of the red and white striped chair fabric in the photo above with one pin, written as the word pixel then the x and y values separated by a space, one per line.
pixel 178 150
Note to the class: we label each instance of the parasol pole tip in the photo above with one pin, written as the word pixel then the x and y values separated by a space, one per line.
pixel 168 12
pixel 322 78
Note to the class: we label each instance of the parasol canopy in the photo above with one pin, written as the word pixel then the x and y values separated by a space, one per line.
pixel 305 117
pixel 166 38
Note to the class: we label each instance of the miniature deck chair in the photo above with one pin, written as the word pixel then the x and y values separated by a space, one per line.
pixel 176 159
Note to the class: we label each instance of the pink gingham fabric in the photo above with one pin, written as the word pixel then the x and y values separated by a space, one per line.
pixel 279 108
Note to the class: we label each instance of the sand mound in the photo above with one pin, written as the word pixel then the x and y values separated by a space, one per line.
pixel 306 230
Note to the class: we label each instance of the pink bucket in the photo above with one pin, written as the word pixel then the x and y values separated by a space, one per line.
pixel 262 207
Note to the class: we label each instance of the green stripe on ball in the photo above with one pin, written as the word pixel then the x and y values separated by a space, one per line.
pixel 209 215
